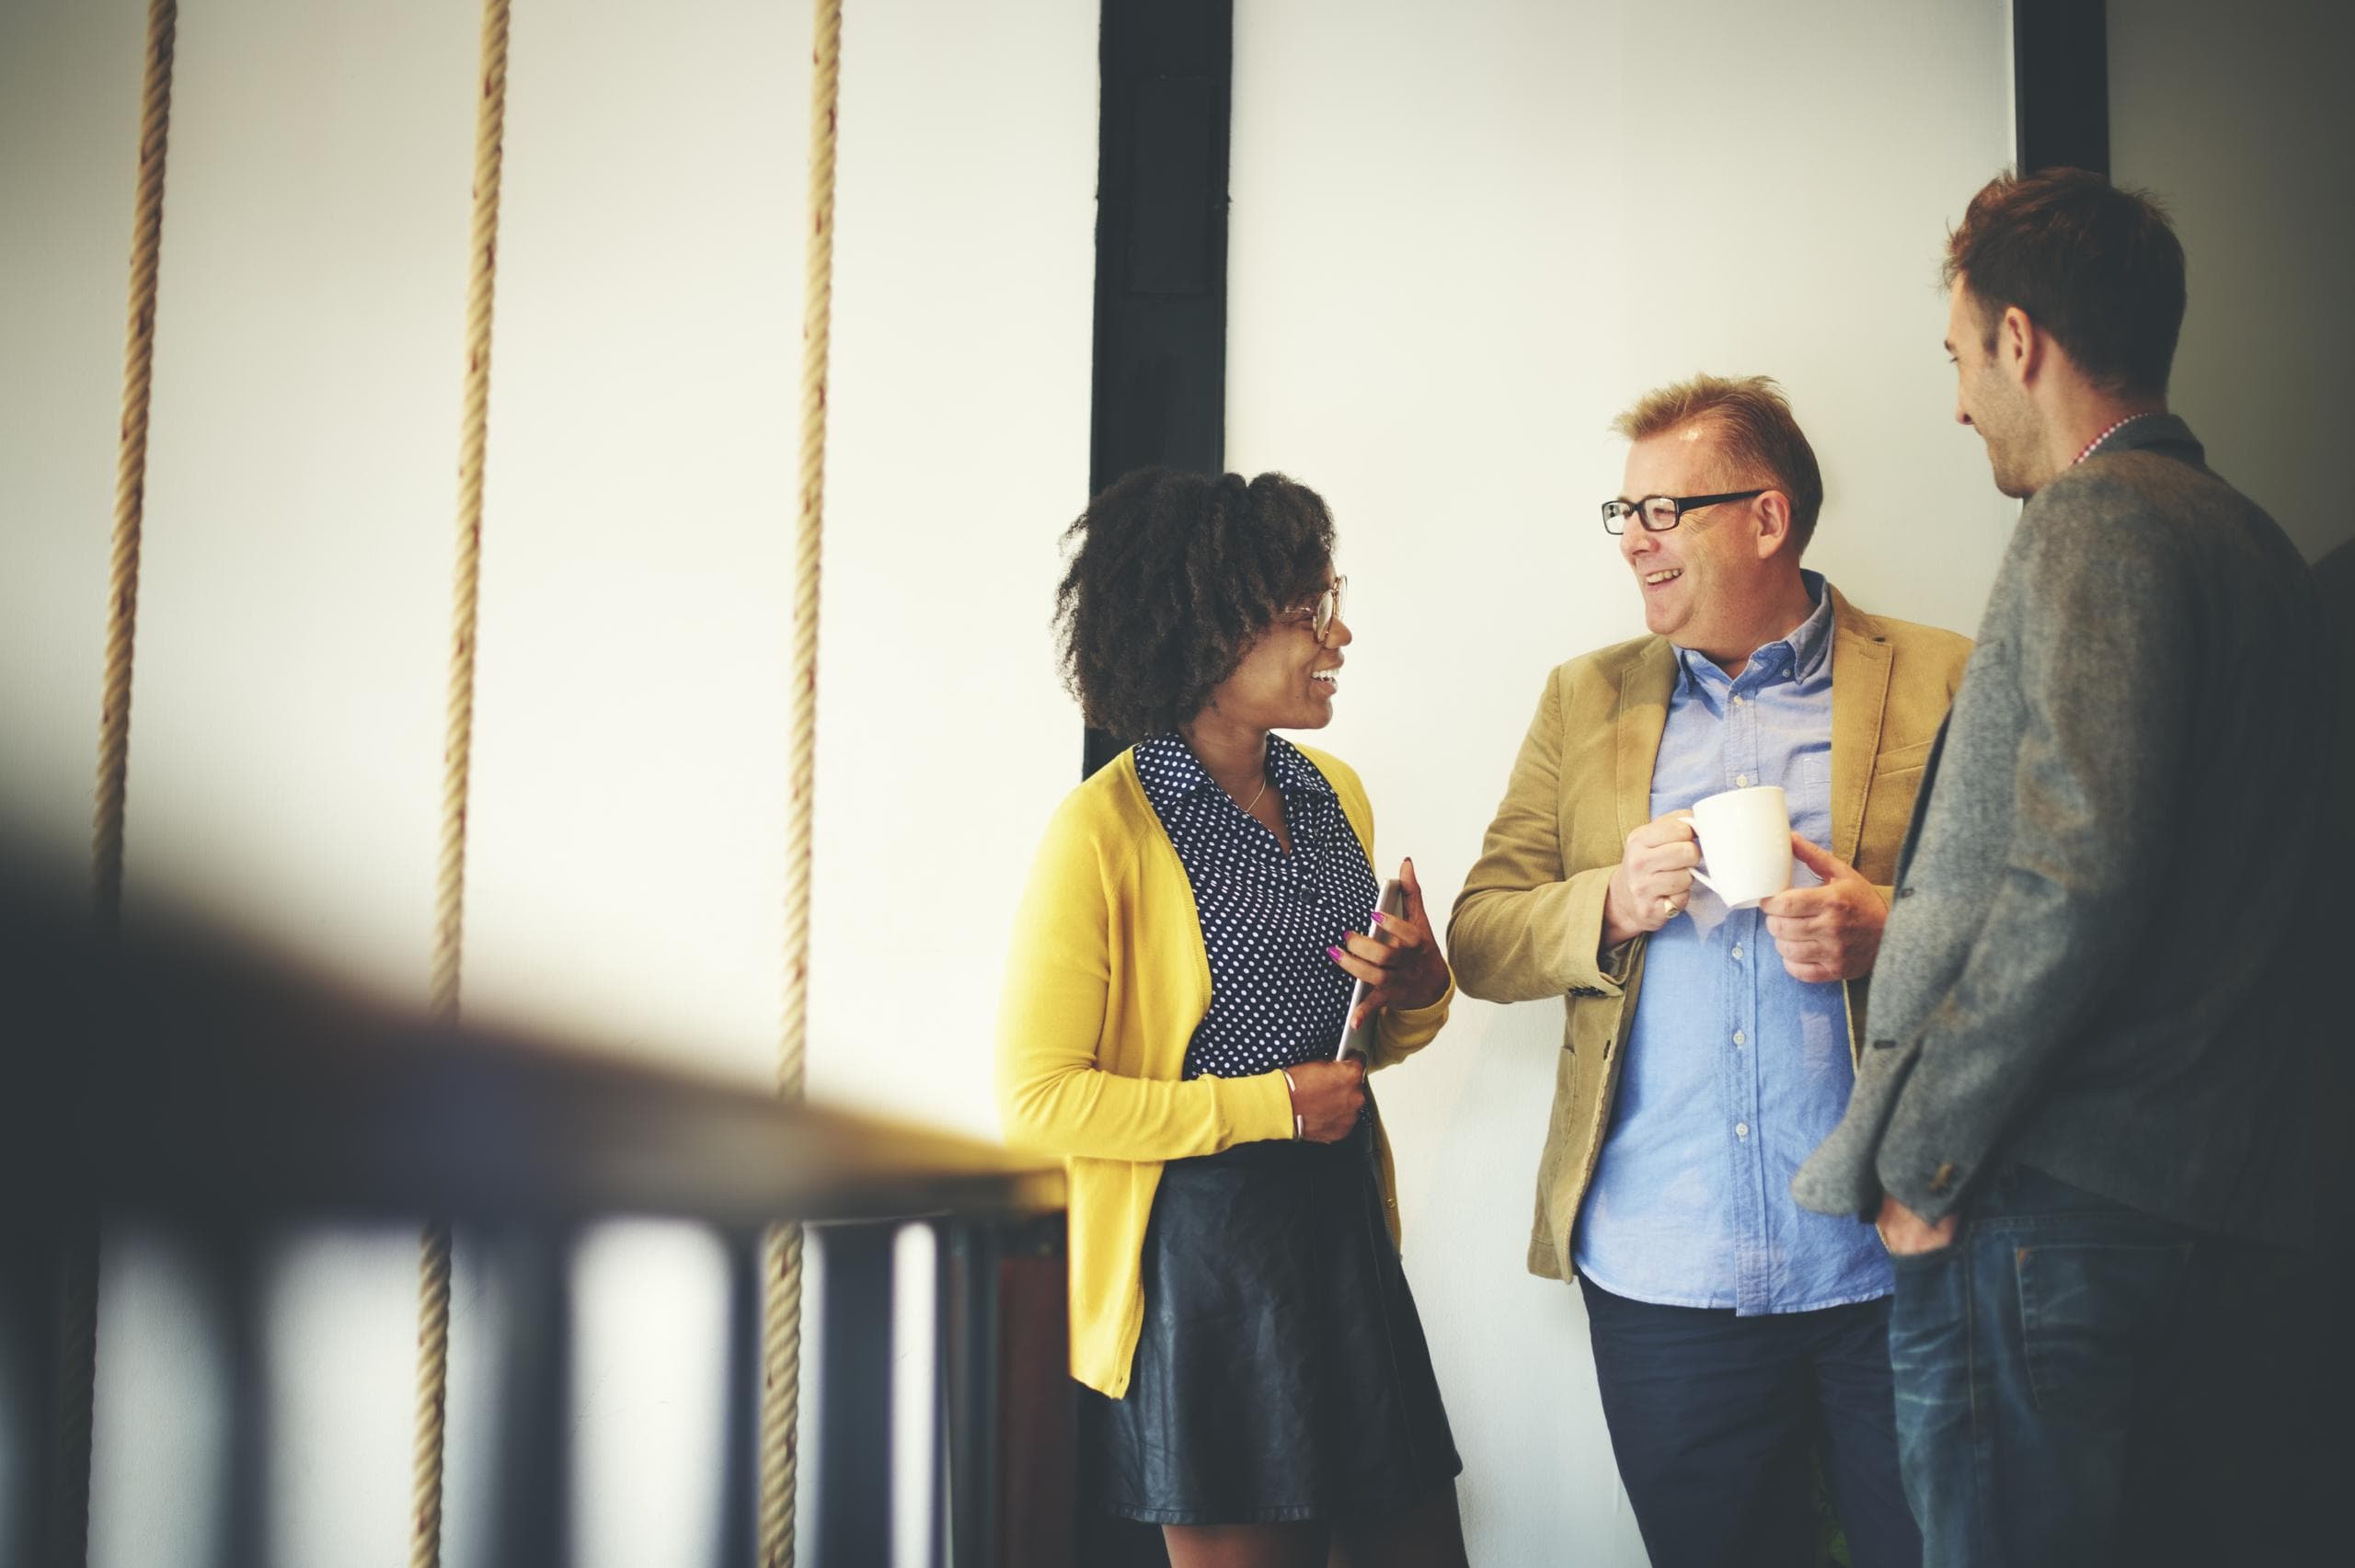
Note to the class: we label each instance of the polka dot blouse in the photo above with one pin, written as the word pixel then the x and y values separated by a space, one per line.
pixel 1267 917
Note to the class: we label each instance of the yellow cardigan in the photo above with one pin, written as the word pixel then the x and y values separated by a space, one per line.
pixel 1106 981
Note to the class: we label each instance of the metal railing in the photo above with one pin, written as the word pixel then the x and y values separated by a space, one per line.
pixel 179 1078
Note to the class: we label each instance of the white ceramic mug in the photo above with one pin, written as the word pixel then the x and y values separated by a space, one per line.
pixel 1746 839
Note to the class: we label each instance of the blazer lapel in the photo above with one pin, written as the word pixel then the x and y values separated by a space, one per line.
pixel 1645 687
pixel 1860 662
pixel 1921 797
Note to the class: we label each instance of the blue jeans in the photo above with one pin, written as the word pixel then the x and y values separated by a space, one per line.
pixel 2080 1383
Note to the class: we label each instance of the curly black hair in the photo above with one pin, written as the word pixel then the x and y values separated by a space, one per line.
pixel 1174 577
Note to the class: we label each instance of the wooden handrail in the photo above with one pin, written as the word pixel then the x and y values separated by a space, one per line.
pixel 182 1076
pixel 180 1073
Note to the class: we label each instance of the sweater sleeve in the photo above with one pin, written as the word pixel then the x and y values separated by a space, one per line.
pixel 1053 1094
pixel 1402 1031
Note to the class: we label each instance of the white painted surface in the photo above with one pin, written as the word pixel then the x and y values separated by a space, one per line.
pixel 2236 119
pixel 1459 249
pixel 628 841
pixel 1459 245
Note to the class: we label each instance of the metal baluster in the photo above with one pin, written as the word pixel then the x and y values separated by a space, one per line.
pixel 32 1256
pixel 228 1305
pixel 1033 1412
pixel 740 1460
pixel 969 1364
pixel 533 1513
pixel 853 1522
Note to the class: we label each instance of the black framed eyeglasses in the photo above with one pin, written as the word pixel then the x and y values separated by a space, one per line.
pixel 1661 514
pixel 1321 612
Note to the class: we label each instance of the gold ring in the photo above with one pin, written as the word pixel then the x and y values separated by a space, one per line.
pixel 1669 903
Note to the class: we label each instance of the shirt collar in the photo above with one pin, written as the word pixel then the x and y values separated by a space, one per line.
pixel 1798 657
pixel 2094 445
pixel 1171 773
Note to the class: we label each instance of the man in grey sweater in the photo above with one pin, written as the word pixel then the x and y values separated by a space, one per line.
pixel 2076 1120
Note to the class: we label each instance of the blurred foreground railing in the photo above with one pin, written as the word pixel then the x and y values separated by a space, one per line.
pixel 182 1080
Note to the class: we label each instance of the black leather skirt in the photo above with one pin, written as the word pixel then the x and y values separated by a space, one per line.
pixel 1282 1372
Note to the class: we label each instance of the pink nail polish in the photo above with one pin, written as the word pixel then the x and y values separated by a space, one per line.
pixel 1334 952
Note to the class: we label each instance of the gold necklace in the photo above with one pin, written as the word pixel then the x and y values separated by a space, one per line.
pixel 1254 799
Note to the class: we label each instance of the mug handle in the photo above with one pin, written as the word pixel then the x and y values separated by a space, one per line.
pixel 1698 874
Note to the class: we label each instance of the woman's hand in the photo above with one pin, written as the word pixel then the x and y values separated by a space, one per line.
pixel 1327 1097
pixel 1402 967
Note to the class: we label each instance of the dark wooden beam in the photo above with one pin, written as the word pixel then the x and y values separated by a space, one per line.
pixel 2060 85
pixel 1160 374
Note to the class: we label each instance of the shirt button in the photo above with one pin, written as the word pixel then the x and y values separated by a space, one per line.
pixel 1736 951
pixel 1741 781
pixel 1740 1038
pixel 1741 1130
pixel 1737 702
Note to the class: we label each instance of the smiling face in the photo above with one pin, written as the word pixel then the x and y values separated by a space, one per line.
pixel 1704 580
pixel 1287 679
pixel 1990 400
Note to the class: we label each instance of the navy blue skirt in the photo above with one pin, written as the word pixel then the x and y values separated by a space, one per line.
pixel 1282 1372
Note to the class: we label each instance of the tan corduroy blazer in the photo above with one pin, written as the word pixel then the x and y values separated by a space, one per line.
pixel 1529 922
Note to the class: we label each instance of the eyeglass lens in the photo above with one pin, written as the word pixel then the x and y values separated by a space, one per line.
pixel 1656 513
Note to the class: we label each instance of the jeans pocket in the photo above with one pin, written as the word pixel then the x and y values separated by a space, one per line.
pixel 1918 1262
pixel 2090 1313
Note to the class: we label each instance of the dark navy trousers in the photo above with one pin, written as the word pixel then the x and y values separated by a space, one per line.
pixel 1713 1418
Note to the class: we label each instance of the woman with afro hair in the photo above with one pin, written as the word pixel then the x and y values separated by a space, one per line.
pixel 1255 1378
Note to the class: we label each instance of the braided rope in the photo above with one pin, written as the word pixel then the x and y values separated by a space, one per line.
pixel 130 464
pixel 457 757
pixel 781 1318
pixel 79 1281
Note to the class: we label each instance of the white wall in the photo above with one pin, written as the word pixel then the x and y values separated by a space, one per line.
pixel 627 830
pixel 69 136
pixel 2236 118
pixel 1459 245
pixel 1461 241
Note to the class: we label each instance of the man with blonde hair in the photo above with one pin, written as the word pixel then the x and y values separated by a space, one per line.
pixel 1705 1053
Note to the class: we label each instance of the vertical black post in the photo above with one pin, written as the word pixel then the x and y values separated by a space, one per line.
pixel 2060 85
pixel 227 1302
pixel 740 1463
pixel 31 1319
pixel 968 1368
pixel 1160 381
pixel 853 1522
pixel 533 1268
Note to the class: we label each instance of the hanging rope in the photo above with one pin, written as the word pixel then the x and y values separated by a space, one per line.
pixel 130 464
pixel 781 1338
pixel 457 755
pixel 78 1286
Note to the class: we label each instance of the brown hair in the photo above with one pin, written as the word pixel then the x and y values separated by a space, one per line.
pixel 1754 429
pixel 2099 267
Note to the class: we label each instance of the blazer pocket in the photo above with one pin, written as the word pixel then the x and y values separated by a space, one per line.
pixel 1903 758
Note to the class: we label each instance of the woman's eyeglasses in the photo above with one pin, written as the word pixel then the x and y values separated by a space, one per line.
pixel 1321 612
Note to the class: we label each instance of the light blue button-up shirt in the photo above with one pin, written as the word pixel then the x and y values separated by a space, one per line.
pixel 1734 1072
